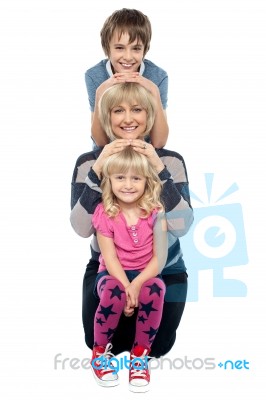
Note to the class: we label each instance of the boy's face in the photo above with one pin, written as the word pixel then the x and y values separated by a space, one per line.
pixel 123 56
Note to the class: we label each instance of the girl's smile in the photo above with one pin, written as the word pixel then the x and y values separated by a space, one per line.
pixel 127 187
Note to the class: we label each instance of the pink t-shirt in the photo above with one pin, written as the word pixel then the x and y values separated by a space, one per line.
pixel 134 244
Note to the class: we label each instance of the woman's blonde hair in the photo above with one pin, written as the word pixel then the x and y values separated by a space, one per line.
pixel 128 92
pixel 121 163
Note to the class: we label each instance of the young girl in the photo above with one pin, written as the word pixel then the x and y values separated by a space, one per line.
pixel 130 261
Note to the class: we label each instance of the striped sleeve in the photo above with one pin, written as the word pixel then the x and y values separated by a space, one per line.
pixel 86 194
pixel 175 193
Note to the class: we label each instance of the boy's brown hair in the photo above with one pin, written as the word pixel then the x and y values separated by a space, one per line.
pixel 130 21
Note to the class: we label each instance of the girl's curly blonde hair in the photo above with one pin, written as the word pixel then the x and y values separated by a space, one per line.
pixel 120 163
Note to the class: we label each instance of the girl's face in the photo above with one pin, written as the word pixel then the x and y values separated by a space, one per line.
pixel 127 187
pixel 123 56
pixel 128 121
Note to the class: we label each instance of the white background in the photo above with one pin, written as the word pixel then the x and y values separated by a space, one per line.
pixel 214 53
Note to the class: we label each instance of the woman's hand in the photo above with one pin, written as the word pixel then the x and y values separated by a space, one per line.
pixel 149 151
pixel 111 148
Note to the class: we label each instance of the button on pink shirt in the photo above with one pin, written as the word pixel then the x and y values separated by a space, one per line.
pixel 134 244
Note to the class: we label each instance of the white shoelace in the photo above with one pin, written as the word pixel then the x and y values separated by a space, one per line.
pixel 107 355
pixel 139 373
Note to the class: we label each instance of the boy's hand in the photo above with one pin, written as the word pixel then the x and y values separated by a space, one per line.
pixel 119 77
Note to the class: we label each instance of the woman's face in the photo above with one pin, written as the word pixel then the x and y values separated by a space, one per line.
pixel 128 121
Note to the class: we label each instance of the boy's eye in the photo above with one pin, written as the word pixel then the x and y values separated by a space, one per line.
pixel 137 48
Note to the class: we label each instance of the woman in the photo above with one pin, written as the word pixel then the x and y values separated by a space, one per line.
pixel 127 113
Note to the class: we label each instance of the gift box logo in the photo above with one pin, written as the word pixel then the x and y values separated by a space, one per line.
pixel 216 241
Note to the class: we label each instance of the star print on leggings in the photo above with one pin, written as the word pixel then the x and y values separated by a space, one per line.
pixel 116 292
pixel 107 311
pixel 102 284
pixel 147 308
pixel 152 332
pixel 109 333
pixel 100 321
pixel 155 289
pixel 142 319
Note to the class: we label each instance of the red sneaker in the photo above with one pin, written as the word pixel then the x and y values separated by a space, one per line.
pixel 139 375
pixel 102 369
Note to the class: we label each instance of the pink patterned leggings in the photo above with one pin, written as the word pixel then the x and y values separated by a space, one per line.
pixel 112 302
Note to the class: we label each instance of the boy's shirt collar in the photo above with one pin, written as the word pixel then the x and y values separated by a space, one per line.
pixel 110 72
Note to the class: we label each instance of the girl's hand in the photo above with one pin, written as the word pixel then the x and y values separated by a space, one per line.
pixel 149 151
pixel 132 293
pixel 128 311
pixel 111 148
pixel 132 300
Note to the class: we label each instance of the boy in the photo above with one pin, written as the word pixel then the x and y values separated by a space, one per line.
pixel 125 39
